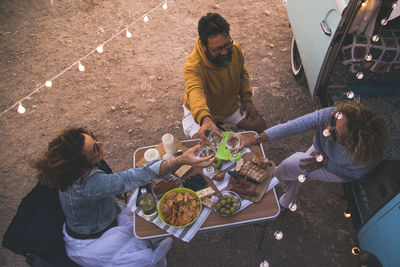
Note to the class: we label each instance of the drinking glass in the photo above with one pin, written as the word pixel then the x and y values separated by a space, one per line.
pixel 204 152
pixel 214 140
pixel 232 142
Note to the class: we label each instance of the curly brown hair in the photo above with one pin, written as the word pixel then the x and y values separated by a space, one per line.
pixel 63 162
pixel 367 134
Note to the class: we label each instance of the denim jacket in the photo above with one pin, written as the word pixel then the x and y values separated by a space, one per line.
pixel 89 203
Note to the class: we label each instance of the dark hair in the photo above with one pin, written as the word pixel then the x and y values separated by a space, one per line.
pixel 211 25
pixel 367 134
pixel 63 162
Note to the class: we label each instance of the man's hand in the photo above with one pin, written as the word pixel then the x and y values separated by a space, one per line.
pixel 249 108
pixel 206 127
pixel 311 164
pixel 247 140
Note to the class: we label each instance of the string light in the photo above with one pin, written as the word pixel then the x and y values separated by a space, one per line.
pixel 394 5
pixel 363 4
pixel 360 75
pixel 293 207
pixel 326 133
pixel 81 67
pixel 375 38
pixel 347 214
pixel 384 22
pixel 319 158
pixel 278 235
pixel 350 95
pixel 368 57
pixel 128 34
pixel 48 84
pixel 302 178
pixel 339 115
pixel 355 251
pixel 21 108
pixel 99 49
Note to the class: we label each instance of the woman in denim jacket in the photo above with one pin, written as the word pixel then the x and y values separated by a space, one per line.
pixel 98 232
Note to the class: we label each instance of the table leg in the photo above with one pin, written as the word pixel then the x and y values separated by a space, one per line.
pixel 253 232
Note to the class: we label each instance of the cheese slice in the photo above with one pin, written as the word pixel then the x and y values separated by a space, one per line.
pixel 208 191
pixel 184 169
pixel 208 202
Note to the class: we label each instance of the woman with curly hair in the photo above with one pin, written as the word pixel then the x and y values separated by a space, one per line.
pixel 350 137
pixel 98 232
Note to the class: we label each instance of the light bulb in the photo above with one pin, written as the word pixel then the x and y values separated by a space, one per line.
pixel 326 133
pixel 319 158
pixel 394 5
pixel 347 214
pixel 264 264
pixel 278 235
pixel 338 115
pixel 48 83
pixel 21 108
pixel 384 22
pixel 100 49
pixel 375 38
pixel 363 4
pixel 355 251
pixel 360 75
pixel 146 18
pixel 128 34
pixel 301 178
pixel 293 206
pixel 81 67
pixel 164 6
pixel 368 57
pixel 350 94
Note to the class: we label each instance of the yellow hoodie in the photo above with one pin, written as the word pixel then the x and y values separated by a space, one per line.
pixel 211 90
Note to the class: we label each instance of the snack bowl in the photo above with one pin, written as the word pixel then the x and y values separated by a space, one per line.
pixel 179 207
pixel 230 198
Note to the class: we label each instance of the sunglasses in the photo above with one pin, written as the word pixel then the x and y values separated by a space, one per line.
pixel 332 132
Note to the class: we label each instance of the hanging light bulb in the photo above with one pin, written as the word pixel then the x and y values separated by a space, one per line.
pixel 278 235
pixel 100 49
pixel 355 251
pixel 347 214
pixel 164 6
pixel 48 83
pixel 350 95
pixel 394 5
pixel 21 108
pixel 326 133
pixel 375 38
pixel 81 67
pixel 338 115
pixel 146 18
pixel 302 178
pixel 363 4
pixel 384 21
pixel 368 57
pixel 293 206
pixel 319 158
pixel 360 75
pixel 128 34
pixel 264 264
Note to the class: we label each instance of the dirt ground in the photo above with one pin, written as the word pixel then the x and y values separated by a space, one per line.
pixel 132 93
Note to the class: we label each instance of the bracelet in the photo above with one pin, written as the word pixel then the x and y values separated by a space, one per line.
pixel 258 138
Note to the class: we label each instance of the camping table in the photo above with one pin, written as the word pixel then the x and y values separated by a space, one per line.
pixel 267 209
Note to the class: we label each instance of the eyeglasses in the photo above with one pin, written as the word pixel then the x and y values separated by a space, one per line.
pixel 332 132
pixel 227 46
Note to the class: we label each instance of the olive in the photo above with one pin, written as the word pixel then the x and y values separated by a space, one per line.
pixel 230 196
pixel 227 212
pixel 229 201
pixel 227 207
pixel 219 205
pixel 233 209
pixel 223 202
pixel 222 210
pixel 235 205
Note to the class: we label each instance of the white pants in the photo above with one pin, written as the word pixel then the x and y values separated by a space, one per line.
pixel 288 171
pixel 118 246
pixel 190 127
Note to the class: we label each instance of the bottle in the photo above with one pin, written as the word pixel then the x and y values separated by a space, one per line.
pixel 148 204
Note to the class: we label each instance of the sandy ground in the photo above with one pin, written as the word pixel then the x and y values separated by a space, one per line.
pixel 132 93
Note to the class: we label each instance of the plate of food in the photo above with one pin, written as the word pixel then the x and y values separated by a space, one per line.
pixel 179 207
pixel 229 204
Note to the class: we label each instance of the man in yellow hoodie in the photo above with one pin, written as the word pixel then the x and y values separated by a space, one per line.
pixel 217 85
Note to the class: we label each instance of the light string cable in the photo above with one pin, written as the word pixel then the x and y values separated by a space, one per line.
pixel 98 49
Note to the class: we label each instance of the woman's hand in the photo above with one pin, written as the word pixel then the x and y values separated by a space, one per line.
pixel 311 164
pixel 189 158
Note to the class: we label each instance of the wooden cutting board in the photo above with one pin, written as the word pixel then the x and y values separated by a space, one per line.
pixel 258 188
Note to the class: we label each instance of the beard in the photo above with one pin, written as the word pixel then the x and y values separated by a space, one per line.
pixel 220 60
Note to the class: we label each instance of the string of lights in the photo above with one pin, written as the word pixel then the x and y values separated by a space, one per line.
pixel 99 49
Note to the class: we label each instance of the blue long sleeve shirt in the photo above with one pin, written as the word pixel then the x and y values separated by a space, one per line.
pixel 339 159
